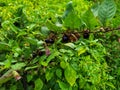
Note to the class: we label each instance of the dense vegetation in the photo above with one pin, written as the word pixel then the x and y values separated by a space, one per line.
pixel 59 45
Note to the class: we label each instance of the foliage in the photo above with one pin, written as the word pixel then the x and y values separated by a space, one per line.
pixel 33 50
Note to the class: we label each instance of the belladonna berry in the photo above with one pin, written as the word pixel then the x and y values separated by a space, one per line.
pixel 86 34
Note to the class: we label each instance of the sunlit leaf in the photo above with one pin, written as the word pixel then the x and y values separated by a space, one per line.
pixel 71 45
pixel 18 66
pixel 29 68
pixel 73 22
pixel 52 56
pixel 38 84
pixel 81 50
pixel 106 11
pixel 69 9
pixel 70 75
pixel 49 75
pixel 63 85
pixel 90 21
pixel 59 73
pixel 45 30
pixel 63 64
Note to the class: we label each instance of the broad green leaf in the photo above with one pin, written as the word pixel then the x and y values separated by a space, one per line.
pixel 73 22
pixel 59 73
pixel 49 75
pixel 63 64
pixel 7 63
pixel 42 60
pixel 66 51
pixel 70 75
pixel 81 50
pixel 95 9
pixel 44 63
pixel 106 11
pixel 40 43
pixel 89 19
pixel 52 56
pixel 71 45
pixel 18 66
pixel 38 84
pixel 69 9
pixel 29 77
pixel 52 26
pixel 45 30
pixel 63 85
pixel 69 22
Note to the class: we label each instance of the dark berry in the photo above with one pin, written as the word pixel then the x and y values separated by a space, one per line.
pixel 40 53
pixel 65 38
pixel 47 41
pixel 86 34
pixel 34 55
pixel 51 40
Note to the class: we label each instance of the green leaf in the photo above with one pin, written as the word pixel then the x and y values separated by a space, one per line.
pixel 52 26
pixel 21 33
pixel 73 22
pixel 81 50
pixel 32 67
pixel 52 56
pixel 71 45
pixel 45 30
pixel 106 11
pixel 69 8
pixel 110 85
pixel 59 73
pixel 63 85
pixel 38 84
pixel 63 64
pixel 95 9
pixel 29 77
pixel 49 75
pixel 13 28
pixel 31 40
pixel 31 26
pixel 7 63
pixel 89 19
pixel 70 75
pixel 18 66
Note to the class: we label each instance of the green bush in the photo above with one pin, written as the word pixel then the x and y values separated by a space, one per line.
pixel 59 45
